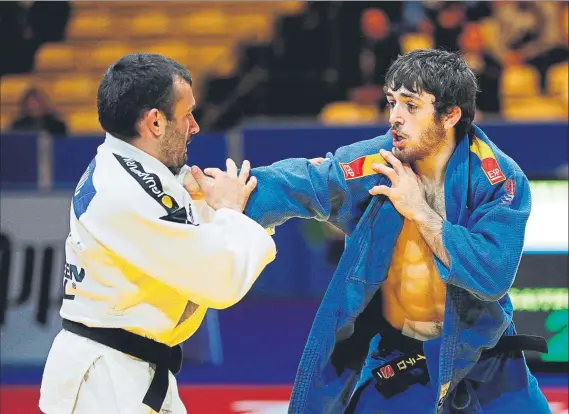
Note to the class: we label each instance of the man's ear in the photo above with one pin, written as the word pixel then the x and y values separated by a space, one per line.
pixel 153 121
pixel 452 117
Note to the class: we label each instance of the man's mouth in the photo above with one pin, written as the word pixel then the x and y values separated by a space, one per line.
pixel 398 139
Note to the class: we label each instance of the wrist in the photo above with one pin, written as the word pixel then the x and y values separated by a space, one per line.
pixel 423 214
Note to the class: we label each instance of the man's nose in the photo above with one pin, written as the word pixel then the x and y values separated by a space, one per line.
pixel 194 128
pixel 395 116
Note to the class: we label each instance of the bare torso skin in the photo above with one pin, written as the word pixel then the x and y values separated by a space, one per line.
pixel 414 291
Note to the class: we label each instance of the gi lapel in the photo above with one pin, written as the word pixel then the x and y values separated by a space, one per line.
pixel 457 180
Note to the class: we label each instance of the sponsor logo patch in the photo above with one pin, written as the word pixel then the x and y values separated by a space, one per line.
pixel 387 372
pixel 149 182
pixel 510 189
pixel 152 185
pixel 167 201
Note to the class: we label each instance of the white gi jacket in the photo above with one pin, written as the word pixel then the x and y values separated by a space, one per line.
pixel 144 257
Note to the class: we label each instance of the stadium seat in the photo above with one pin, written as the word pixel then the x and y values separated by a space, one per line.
pixel 291 7
pixel 519 80
pixel 83 121
pixel 7 114
pixel 536 108
pixel 102 56
pixel 216 59
pixel 89 26
pixel 413 41
pixel 557 79
pixel 78 89
pixel 55 57
pixel 12 87
pixel 202 35
pixel 206 22
pixel 174 50
pixel 339 113
pixel 251 26
pixel 148 25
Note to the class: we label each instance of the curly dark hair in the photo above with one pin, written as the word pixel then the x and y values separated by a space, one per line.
pixel 445 75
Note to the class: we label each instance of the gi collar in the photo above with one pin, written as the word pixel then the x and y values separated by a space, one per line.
pixel 128 150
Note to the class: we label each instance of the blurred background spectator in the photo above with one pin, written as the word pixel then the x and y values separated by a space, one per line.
pixel 527 33
pixel 37 115
pixel 367 58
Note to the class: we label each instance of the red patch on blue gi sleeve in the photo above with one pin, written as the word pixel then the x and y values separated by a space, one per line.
pixel 492 170
pixel 353 169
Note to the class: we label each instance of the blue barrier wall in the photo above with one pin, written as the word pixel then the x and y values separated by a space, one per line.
pixel 71 156
pixel 538 148
pixel 19 161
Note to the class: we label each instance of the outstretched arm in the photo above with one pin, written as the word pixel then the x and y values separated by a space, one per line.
pixel 332 189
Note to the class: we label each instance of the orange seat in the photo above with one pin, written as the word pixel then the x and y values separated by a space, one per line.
pixel 55 57
pixel 216 59
pixel 83 121
pixel 251 26
pixel 414 41
pixel 340 113
pixel 8 114
pixel 291 7
pixel 101 57
pixel 177 51
pixel 149 24
pixel 519 80
pixel 79 89
pixel 557 80
pixel 535 108
pixel 206 22
pixel 12 87
pixel 89 26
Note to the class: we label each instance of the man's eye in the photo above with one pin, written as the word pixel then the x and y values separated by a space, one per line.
pixel 411 107
pixel 391 104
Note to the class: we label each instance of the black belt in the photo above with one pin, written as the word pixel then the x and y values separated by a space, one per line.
pixel 400 373
pixel 164 357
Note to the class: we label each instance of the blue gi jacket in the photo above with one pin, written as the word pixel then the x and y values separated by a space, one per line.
pixel 487 206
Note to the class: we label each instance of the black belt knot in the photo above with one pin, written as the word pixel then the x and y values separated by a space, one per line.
pixel 410 368
pixel 164 357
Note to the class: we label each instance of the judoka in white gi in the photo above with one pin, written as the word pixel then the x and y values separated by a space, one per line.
pixel 143 260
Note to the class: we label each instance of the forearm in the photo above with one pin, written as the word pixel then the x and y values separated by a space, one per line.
pixel 293 188
pixel 430 225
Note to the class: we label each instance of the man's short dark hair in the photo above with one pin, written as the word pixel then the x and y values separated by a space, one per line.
pixel 445 75
pixel 133 85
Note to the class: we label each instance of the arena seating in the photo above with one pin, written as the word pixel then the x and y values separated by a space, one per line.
pixel 202 35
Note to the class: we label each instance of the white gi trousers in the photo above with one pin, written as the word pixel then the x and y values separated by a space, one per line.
pixel 82 376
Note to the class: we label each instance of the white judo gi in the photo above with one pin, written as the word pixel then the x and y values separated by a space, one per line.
pixel 143 257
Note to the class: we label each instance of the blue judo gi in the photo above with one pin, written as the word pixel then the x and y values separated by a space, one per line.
pixel 487 206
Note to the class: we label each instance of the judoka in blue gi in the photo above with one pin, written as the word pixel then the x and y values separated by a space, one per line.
pixel 417 317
